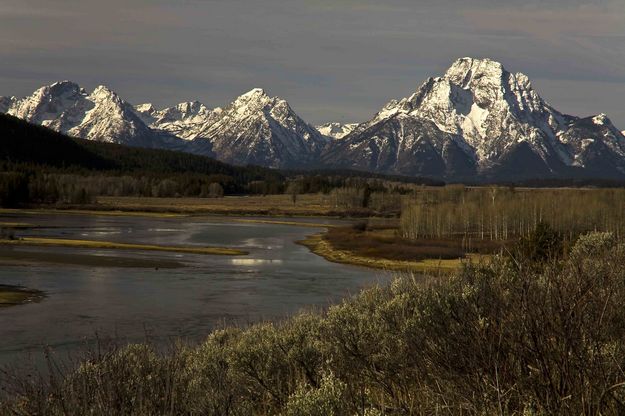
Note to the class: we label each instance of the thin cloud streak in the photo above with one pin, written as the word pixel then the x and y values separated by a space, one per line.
pixel 333 60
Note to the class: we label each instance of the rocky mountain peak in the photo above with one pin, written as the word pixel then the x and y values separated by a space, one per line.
pixel 102 92
pixel 475 119
pixel 254 92
pixel 601 119
pixel 472 72
pixel 147 108
pixel 62 89
pixel 251 102
pixel 335 130
pixel 253 95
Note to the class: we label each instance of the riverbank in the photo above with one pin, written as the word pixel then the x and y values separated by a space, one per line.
pixel 382 248
pixel 375 248
pixel 318 245
pixel 308 205
pixel 60 242
pixel 18 295
pixel 263 205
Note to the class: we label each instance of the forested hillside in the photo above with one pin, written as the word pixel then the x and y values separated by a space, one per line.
pixel 40 166
pixel 23 142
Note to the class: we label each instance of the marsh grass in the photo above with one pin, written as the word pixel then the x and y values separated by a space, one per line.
pixel 18 295
pixel 387 244
pixel 60 242
pixel 377 244
pixel 322 247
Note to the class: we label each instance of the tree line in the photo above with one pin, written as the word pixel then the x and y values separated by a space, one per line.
pixel 503 213
pixel 41 166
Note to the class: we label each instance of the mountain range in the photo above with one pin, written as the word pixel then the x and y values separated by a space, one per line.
pixel 476 121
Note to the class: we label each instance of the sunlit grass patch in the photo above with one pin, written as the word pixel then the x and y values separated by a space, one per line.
pixel 59 242
pixel 320 246
pixel 16 295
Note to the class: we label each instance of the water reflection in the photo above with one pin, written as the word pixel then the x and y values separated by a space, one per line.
pixel 254 262
pixel 276 279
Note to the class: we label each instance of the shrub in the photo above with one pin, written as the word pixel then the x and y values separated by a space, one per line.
pixel 492 339
pixel 326 400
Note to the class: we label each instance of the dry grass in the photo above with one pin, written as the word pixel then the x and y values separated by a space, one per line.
pixel 324 248
pixel 386 244
pixel 278 222
pixel 382 248
pixel 59 242
pixel 104 212
pixel 305 205
pixel 274 205
pixel 308 205
pixel 14 295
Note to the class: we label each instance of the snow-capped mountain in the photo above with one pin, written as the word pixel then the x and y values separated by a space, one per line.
pixel 476 121
pixel 336 130
pixel 185 120
pixel 262 130
pixel 101 115
pixel 254 129
pixel 479 119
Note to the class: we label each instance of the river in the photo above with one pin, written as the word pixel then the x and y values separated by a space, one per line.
pixel 136 303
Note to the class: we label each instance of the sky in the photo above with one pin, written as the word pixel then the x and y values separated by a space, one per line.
pixel 333 60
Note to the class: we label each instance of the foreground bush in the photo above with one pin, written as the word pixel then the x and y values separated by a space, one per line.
pixel 513 337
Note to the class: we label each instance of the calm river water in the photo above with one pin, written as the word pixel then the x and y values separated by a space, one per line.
pixel 276 279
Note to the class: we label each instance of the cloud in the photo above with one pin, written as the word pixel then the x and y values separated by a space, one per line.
pixel 551 25
pixel 332 59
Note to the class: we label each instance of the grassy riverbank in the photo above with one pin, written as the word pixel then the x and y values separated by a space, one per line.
pixel 59 242
pixel 267 205
pixel 81 210
pixel 229 205
pixel 381 248
pixel 17 295
pixel 324 248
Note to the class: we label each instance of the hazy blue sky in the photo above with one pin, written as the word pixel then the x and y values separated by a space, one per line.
pixel 331 59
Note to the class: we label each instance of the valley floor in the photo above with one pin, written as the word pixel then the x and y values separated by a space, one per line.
pixel 273 205
pixel 377 247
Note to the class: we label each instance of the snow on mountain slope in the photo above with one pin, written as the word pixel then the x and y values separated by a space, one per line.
pixel 261 130
pixel 336 130
pixel 102 115
pixel 254 129
pixel 475 121
pixel 491 116
pixel 185 120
